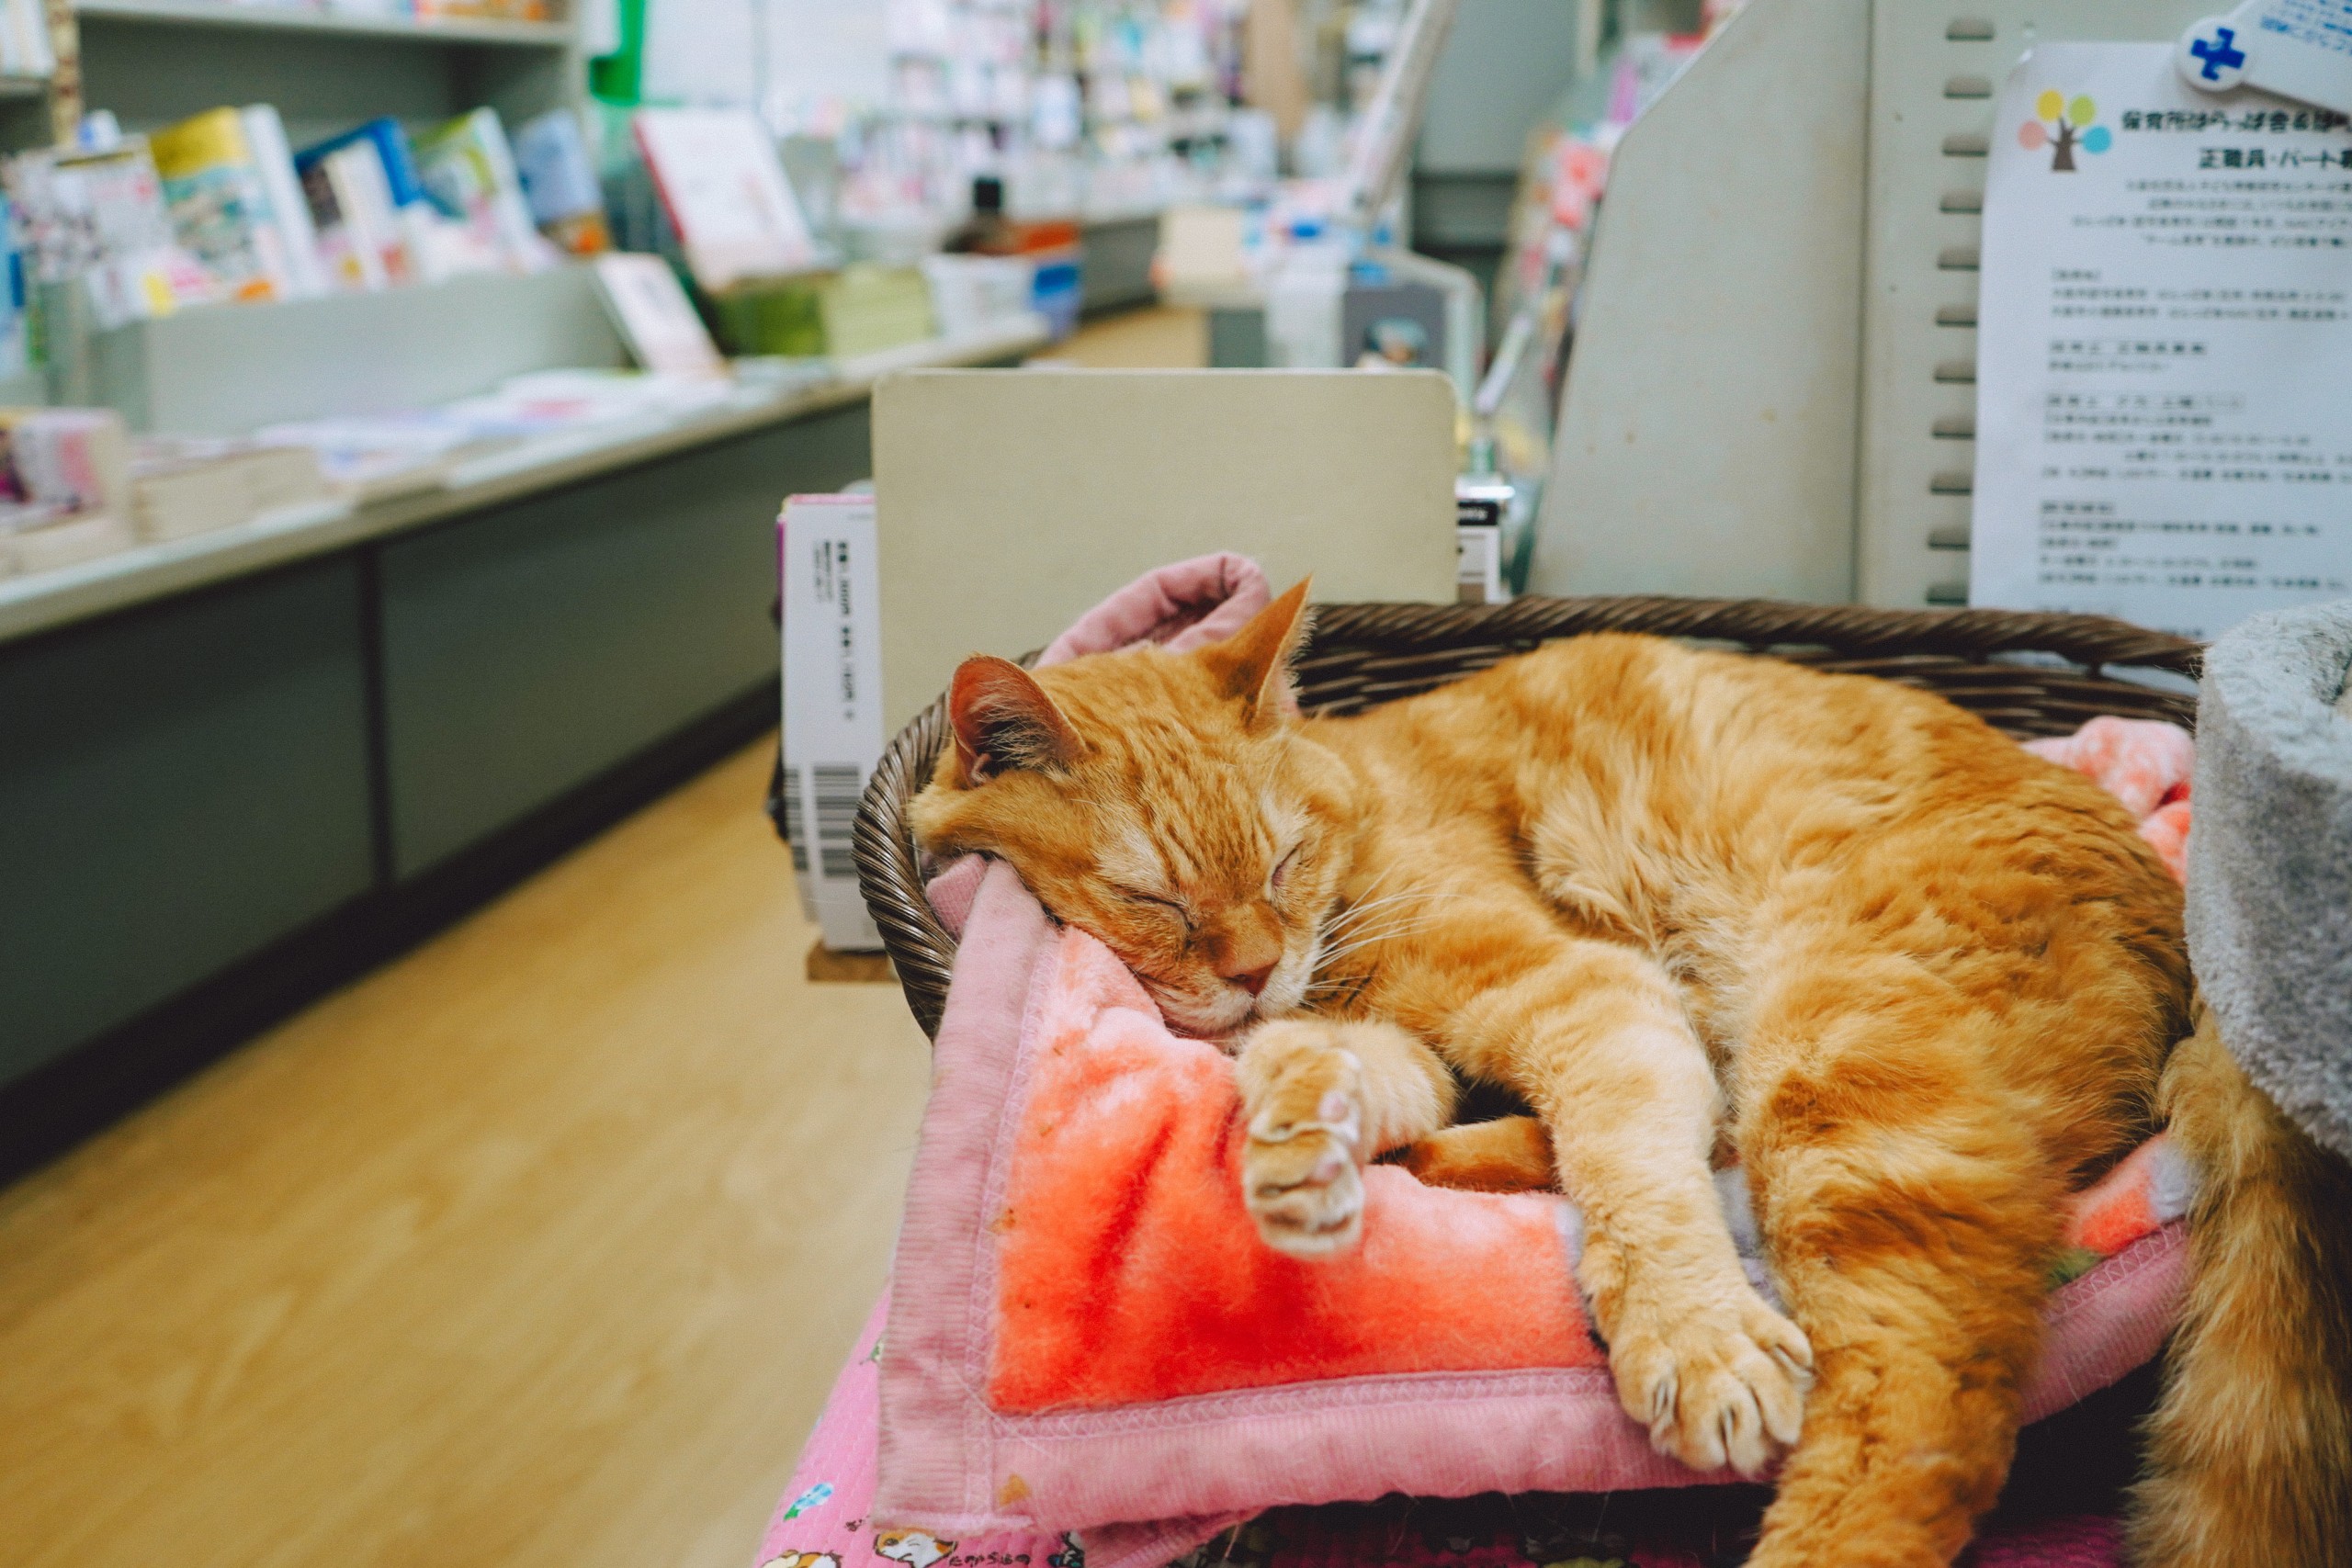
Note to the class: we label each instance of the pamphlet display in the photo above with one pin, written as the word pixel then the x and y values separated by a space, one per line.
pixel 723 186
pixel 2164 335
pixel 655 318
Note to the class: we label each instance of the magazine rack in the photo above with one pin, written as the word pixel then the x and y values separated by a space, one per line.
pixel 1773 389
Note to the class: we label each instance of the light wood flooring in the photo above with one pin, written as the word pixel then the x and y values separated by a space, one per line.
pixel 1162 338
pixel 541 1245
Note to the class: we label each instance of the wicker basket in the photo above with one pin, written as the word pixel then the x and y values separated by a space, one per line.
pixel 2029 674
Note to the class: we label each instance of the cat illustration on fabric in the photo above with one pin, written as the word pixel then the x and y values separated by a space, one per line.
pixel 803 1559
pixel 1687 905
pixel 913 1548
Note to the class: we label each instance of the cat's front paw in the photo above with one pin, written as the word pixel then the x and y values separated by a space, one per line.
pixel 1301 1182
pixel 1300 1169
pixel 1717 1381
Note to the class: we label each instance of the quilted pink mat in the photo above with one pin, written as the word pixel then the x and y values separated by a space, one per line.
pixel 823 1522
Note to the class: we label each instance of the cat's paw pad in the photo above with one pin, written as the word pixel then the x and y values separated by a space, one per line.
pixel 1717 1382
pixel 1300 1177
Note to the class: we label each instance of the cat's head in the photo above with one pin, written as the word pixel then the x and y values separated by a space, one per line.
pixel 1168 804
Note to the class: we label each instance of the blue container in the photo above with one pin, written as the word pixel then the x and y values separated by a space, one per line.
pixel 1057 293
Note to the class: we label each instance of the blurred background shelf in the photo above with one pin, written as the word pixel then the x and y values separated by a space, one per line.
pixel 288 18
pixel 426 686
pixel 50 601
pixel 155 63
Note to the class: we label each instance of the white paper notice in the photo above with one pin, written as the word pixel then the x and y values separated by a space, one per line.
pixel 2164 406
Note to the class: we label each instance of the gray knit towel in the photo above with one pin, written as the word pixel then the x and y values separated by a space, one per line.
pixel 2271 859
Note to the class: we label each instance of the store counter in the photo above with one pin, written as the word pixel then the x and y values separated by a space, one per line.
pixel 240 768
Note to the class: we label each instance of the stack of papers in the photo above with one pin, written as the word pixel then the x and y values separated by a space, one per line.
pixel 182 486
pixel 529 420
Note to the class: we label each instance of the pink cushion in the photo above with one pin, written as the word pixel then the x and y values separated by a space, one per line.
pixel 1099 1338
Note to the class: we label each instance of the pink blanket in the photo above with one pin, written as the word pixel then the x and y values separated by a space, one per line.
pixel 1086 1331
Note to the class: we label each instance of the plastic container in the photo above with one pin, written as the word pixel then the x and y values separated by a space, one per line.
pixel 1059 289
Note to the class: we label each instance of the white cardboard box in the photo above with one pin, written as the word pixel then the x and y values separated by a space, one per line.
pixel 833 702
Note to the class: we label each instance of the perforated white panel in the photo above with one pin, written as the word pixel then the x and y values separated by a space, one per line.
pixel 1774 385
pixel 1934 68
pixel 1707 430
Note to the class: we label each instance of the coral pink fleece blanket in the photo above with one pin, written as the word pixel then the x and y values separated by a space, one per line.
pixel 1085 1333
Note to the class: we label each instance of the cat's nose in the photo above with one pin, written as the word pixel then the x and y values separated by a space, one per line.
pixel 1250 980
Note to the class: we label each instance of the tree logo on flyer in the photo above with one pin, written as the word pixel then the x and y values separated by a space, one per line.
pixel 2065 126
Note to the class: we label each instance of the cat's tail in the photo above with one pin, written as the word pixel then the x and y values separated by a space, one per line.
pixel 2250 1450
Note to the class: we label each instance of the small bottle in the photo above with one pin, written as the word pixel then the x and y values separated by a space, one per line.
pixel 983 233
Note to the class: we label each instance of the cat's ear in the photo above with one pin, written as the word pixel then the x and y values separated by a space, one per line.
pixel 1254 662
pixel 1003 720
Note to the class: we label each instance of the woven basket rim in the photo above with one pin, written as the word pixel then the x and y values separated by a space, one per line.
pixel 2039 671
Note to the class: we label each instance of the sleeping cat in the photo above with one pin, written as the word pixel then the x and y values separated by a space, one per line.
pixel 1687 906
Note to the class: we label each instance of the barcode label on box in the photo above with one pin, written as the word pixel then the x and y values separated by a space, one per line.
pixel 795 831
pixel 838 786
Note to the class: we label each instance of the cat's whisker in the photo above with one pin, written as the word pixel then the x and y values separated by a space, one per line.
pixel 1403 896
pixel 1361 913
pixel 1372 938
pixel 1354 914
pixel 1375 885
pixel 1360 940
pixel 1375 934
pixel 1381 929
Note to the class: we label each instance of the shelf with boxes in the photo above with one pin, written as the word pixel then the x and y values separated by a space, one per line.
pixel 394 540
pixel 486 473
pixel 398 304
pixel 363 684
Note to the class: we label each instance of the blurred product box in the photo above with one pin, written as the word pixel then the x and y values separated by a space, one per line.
pixel 861 310
pixel 868 309
pixel 64 476
pixel 969 295
pixel 783 318
pixel 184 487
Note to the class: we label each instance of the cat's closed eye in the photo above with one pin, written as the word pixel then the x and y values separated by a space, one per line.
pixel 1282 868
pixel 1153 899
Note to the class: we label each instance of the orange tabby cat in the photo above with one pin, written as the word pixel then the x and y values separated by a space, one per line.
pixel 1921 982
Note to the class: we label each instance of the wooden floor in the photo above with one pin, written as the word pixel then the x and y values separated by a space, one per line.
pixel 1159 339
pixel 539 1246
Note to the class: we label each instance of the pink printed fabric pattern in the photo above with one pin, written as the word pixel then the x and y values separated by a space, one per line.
pixel 915 1437
pixel 824 1519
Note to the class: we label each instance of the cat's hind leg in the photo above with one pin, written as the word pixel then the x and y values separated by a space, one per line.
pixel 1509 1153
pixel 1319 1099
pixel 1910 1217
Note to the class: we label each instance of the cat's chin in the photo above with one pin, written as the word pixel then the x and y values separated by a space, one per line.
pixel 1221 1026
